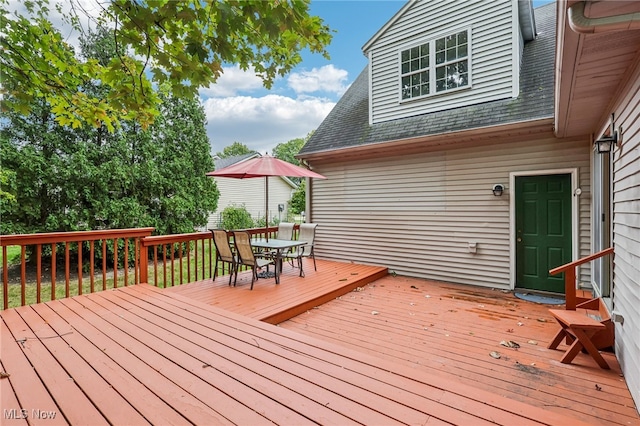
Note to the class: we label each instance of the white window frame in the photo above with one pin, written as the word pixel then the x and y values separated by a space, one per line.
pixel 431 41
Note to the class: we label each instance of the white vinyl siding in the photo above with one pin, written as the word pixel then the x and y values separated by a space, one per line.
pixel 491 46
pixel 626 233
pixel 417 214
pixel 250 193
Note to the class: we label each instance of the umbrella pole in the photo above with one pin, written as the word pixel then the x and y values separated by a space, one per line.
pixel 266 206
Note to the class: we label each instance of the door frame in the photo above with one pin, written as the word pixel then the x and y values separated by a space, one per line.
pixel 575 195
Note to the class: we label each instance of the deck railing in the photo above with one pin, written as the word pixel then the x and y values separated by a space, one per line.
pixel 138 257
pixel 569 270
pixel 113 239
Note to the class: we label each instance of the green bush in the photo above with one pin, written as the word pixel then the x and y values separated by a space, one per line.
pixel 236 217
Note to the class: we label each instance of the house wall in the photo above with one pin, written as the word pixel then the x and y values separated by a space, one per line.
pixel 416 214
pixel 492 48
pixel 626 232
pixel 250 192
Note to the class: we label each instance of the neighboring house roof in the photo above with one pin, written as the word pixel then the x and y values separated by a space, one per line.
pixel 347 125
pixel 221 163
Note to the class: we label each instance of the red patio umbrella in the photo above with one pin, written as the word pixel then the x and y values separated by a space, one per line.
pixel 264 167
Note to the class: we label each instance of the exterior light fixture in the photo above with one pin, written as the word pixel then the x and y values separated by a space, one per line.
pixel 498 189
pixel 606 143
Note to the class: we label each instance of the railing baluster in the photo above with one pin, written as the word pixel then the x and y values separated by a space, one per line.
pixel 104 264
pixel 54 272
pixel 180 261
pixel 5 278
pixel 67 267
pixel 38 273
pixel 92 271
pixel 79 267
pixel 126 262
pixel 23 276
pixel 115 263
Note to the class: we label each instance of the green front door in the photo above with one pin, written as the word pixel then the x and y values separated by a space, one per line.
pixel 543 230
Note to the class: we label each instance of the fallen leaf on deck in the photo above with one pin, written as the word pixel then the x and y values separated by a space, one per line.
pixel 342 279
pixel 4 375
pixel 374 312
pixel 495 355
pixel 509 330
pixel 542 320
pixel 532 342
pixel 520 324
pixel 510 344
pixel 598 388
pixel 427 296
pixel 413 286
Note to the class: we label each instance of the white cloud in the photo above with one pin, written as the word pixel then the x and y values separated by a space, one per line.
pixel 262 123
pixel 233 81
pixel 327 78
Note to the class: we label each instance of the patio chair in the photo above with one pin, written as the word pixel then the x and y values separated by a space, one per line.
pixel 307 234
pixel 285 231
pixel 224 254
pixel 246 256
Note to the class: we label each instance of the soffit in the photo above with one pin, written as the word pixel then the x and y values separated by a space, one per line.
pixel 591 68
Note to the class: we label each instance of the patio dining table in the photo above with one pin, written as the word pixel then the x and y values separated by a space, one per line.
pixel 278 246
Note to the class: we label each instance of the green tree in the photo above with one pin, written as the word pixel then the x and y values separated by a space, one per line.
pixel 234 149
pixel 298 199
pixel 182 44
pixel 90 178
pixel 288 150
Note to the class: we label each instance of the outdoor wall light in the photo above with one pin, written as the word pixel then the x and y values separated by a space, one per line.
pixel 606 143
pixel 498 189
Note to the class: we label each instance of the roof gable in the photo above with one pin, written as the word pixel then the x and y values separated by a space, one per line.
pixel 347 125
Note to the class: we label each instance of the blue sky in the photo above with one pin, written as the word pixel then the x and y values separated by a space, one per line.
pixel 239 109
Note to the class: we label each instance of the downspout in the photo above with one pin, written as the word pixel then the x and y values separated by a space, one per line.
pixel 583 25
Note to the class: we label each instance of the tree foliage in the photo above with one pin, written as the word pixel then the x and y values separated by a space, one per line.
pixel 236 217
pixel 89 178
pixel 287 151
pixel 234 149
pixel 180 44
pixel 298 199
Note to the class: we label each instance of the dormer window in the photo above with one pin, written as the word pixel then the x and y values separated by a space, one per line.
pixel 435 66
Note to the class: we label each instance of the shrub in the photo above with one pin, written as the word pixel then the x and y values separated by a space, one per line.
pixel 236 217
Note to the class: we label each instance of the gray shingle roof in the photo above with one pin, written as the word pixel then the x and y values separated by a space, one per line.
pixel 221 163
pixel 347 125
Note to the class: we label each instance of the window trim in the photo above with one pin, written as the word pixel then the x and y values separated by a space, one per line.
pixel 431 41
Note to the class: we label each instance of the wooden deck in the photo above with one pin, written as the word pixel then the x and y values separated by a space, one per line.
pixel 395 350
pixel 294 295
pixel 448 332
pixel 139 355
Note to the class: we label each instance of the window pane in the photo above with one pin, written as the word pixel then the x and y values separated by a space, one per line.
pixel 415 91
pixel 406 93
pixel 462 37
pixel 415 65
pixel 440 85
pixel 440 73
pixel 462 66
pixel 424 62
pixel 462 51
pixel 439 57
pixel 415 79
pixel 405 67
pixel 405 55
pixel 451 41
pixel 439 44
pixel 424 50
pixel 451 54
pixel 415 52
pixel 424 89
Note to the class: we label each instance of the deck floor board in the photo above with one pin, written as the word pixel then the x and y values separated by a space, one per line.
pixel 450 330
pixel 351 347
